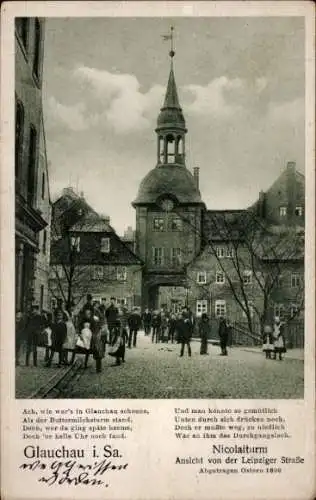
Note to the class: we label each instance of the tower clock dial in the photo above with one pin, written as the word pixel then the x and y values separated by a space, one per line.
pixel 167 204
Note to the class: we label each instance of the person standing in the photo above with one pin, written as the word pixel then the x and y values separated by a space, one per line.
pixel 59 334
pixel 19 335
pixel 156 322
pixel 119 340
pixel 34 326
pixel 267 345
pixel 278 338
pixel 60 307
pixel 146 318
pixel 185 332
pixel 112 316
pixel 204 329
pixel 172 327
pixel 223 335
pixel 134 324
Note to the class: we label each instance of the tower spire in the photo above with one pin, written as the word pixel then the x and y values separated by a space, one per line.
pixel 171 127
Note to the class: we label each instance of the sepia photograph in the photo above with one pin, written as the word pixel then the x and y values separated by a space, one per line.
pixel 159 207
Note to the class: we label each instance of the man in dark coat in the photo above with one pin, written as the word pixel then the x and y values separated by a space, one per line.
pixel 156 324
pixel 204 329
pixel 223 335
pixel 34 326
pixel 134 324
pixel 146 318
pixel 60 307
pixel 185 329
pixel 112 314
pixel 59 334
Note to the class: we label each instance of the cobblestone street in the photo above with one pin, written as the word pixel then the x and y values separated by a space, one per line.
pixel 157 371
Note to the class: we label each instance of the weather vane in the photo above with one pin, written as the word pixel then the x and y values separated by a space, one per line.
pixel 170 37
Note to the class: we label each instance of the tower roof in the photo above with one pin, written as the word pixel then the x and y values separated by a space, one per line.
pixel 168 180
pixel 171 115
pixel 171 99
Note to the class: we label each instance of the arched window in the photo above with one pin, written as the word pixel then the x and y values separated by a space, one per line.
pixel 22 26
pixel 31 166
pixel 37 48
pixel 19 126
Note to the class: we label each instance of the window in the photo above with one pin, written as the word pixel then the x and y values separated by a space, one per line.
pixel 31 165
pixel 105 245
pixel 121 301
pixel 121 274
pixel 53 303
pixel 158 256
pixel 294 310
pixel 75 243
pixel 158 224
pixel 58 272
pixel 298 211
pixel 230 253
pixel 295 280
pixel 175 256
pixel 176 224
pixel 97 272
pixel 201 307
pixel 250 307
pixel 37 48
pixel 279 310
pixel 247 277
pixel 220 278
pixel 201 277
pixel 43 186
pixel 44 241
pixel 220 252
pixel 19 124
pixel 278 281
pixel 22 26
pixel 282 211
pixel 220 308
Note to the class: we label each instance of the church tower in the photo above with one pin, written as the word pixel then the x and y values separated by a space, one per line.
pixel 168 204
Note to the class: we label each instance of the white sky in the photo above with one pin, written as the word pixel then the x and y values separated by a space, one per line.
pixel 240 84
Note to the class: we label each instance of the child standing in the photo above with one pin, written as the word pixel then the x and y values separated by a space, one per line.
pixel 267 346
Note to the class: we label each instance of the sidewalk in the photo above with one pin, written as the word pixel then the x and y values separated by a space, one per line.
pixel 297 354
pixel 30 378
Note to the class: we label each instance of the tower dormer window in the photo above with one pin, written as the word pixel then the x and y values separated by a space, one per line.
pixel 158 224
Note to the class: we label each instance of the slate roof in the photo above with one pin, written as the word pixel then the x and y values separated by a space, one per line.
pixel 225 225
pixel 92 223
pixel 173 180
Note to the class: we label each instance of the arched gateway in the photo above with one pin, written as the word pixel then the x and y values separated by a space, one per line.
pixel 168 205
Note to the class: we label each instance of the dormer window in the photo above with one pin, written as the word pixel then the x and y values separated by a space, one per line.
pixel 105 245
pixel 282 211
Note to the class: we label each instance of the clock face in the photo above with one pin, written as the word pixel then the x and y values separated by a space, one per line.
pixel 167 204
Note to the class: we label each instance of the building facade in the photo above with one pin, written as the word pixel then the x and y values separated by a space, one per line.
pixel 31 208
pixel 87 256
pixel 245 264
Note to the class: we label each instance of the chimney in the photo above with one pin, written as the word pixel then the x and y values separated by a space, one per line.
pixel 196 175
pixel 291 189
pixel 261 204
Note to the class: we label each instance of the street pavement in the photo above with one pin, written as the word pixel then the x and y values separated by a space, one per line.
pixel 157 371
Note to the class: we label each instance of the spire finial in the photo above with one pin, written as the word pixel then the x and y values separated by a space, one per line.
pixel 170 37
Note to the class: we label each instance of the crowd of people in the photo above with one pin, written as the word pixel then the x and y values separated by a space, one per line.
pixel 98 325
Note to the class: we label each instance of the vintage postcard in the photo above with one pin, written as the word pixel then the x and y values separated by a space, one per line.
pixel 158 250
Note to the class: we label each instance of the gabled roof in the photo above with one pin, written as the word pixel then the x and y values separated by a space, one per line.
pixel 91 223
pixel 225 225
